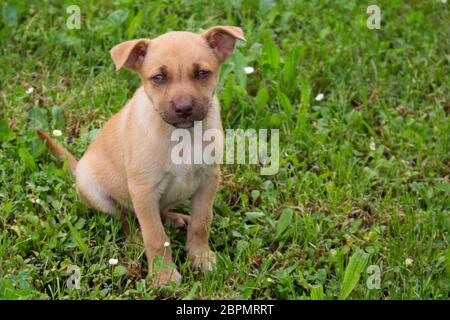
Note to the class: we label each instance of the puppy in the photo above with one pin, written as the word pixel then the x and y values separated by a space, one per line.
pixel 129 163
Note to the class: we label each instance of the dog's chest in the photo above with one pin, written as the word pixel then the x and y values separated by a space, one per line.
pixel 186 171
pixel 181 182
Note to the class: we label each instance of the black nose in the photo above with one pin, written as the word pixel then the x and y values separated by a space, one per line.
pixel 183 108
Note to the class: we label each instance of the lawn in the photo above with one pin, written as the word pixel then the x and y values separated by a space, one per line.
pixel 359 208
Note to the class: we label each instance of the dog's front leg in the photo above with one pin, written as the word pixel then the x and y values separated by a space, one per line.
pixel 197 247
pixel 146 206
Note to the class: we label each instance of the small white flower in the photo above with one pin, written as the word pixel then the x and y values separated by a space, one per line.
pixel 57 133
pixel 372 145
pixel 249 70
pixel 444 1
pixel 320 97
pixel 408 262
pixel 166 244
pixel 30 90
pixel 113 262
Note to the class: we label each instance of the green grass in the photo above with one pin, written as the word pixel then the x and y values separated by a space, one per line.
pixel 334 197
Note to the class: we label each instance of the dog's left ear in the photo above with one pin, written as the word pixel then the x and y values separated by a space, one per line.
pixel 222 40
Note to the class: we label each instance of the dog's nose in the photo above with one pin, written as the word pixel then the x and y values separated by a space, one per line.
pixel 183 108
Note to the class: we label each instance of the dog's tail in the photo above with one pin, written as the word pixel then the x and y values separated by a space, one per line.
pixel 58 150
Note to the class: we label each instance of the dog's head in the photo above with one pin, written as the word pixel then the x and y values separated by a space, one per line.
pixel 179 70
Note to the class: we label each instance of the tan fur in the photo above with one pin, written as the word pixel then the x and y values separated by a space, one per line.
pixel 129 164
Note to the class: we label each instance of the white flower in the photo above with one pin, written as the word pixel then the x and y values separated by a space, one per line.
pixel 319 97
pixel 166 244
pixel 249 70
pixel 408 262
pixel 113 262
pixel 30 90
pixel 57 133
pixel 372 145
pixel 444 1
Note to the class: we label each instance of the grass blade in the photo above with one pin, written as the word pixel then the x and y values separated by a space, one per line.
pixel 317 293
pixel 353 272
pixel 284 221
pixel 78 239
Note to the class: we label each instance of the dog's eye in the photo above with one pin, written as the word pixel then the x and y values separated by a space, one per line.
pixel 201 74
pixel 159 78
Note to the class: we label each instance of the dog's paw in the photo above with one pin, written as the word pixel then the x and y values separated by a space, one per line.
pixel 177 220
pixel 203 259
pixel 166 276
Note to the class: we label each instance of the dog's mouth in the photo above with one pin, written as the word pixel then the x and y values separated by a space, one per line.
pixel 177 124
pixel 184 125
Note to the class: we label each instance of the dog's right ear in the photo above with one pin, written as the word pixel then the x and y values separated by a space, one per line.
pixel 130 54
pixel 222 40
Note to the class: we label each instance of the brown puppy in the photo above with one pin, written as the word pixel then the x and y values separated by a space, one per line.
pixel 129 163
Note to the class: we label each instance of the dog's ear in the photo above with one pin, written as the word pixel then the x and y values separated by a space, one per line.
pixel 222 40
pixel 130 54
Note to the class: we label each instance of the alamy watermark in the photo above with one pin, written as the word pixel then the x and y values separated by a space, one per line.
pixel 73 282
pixel 374 20
pixel 374 277
pixel 74 19
pixel 198 146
